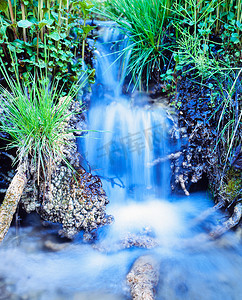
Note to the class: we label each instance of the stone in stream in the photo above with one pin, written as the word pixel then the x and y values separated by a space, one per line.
pixel 143 278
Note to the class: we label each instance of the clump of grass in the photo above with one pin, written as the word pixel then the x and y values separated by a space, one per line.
pixel 230 118
pixel 145 23
pixel 33 118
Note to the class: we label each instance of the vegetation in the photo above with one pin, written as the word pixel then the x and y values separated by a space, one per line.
pixel 33 117
pixel 146 24
pixel 34 28
pixel 199 39
pixel 202 33
pixel 42 54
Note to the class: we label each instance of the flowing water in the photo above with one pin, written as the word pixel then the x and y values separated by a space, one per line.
pixel 127 135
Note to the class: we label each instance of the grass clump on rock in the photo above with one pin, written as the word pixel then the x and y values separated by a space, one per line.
pixel 33 117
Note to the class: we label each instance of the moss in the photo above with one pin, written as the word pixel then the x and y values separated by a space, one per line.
pixel 232 187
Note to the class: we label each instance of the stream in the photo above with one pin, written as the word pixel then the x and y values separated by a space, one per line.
pixel 126 135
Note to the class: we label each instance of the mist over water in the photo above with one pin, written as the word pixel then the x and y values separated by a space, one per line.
pixel 125 139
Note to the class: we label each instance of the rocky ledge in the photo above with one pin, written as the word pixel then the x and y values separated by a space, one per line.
pixel 73 197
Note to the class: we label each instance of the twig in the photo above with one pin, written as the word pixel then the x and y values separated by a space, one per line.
pixel 230 223
pixel 182 183
pixel 8 155
pixel 165 158
pixel 208 212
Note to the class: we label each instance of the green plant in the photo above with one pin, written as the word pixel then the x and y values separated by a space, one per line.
pixel 218 21
pixel 230 117
pixel 145 23
pixel 231 185
pixel 33 28
pixel 193 52
pixel 34 118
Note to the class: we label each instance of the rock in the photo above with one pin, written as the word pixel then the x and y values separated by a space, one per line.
pixel 131 240
pixel 54 246
pixel 143 278
pixel 72 197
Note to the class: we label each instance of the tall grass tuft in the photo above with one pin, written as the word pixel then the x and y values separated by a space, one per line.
pixel 145 23
pixel 230 119
pixel 33 117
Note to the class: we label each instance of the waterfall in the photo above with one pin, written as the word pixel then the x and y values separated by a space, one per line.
pixel 124 136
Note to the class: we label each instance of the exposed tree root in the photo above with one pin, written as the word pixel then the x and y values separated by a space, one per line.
pixel 11 200
pixel 182 183
pixel 230 223
pixel 208 212
pixel 165 158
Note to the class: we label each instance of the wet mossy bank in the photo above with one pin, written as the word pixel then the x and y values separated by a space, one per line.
pixel 206 159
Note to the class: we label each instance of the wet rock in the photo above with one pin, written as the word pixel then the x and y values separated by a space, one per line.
pixel 197 136
pixel 72 197
pixel 54 246
pixel 140 241
pixel 129 241
pixel 143 278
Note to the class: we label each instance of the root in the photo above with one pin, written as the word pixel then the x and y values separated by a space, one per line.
pixel 11 200
pixel 230 223
pixel 182 183
pixel 163 159
pixel 208 212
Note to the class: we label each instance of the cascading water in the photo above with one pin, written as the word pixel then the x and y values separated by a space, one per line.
pixel 125 138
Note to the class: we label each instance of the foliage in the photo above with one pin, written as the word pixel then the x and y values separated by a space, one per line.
pixel 34 118
pixel 33 28
pixel 147 34
pixel 203 34
pixel 231 187
pixel 229 127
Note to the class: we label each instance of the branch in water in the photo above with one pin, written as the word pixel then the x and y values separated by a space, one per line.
pixel 112 181
pixel 208 212
pixel 230 223
pixel 165 158
pixel 182 183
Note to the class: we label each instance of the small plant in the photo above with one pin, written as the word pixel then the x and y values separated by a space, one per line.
pixel 232 183
pixel 229 125
pixel 33 117
pixel 33 28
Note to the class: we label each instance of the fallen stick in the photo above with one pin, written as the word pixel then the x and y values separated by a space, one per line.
pixel 230 223
pixel 182 183
pixel 165 158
